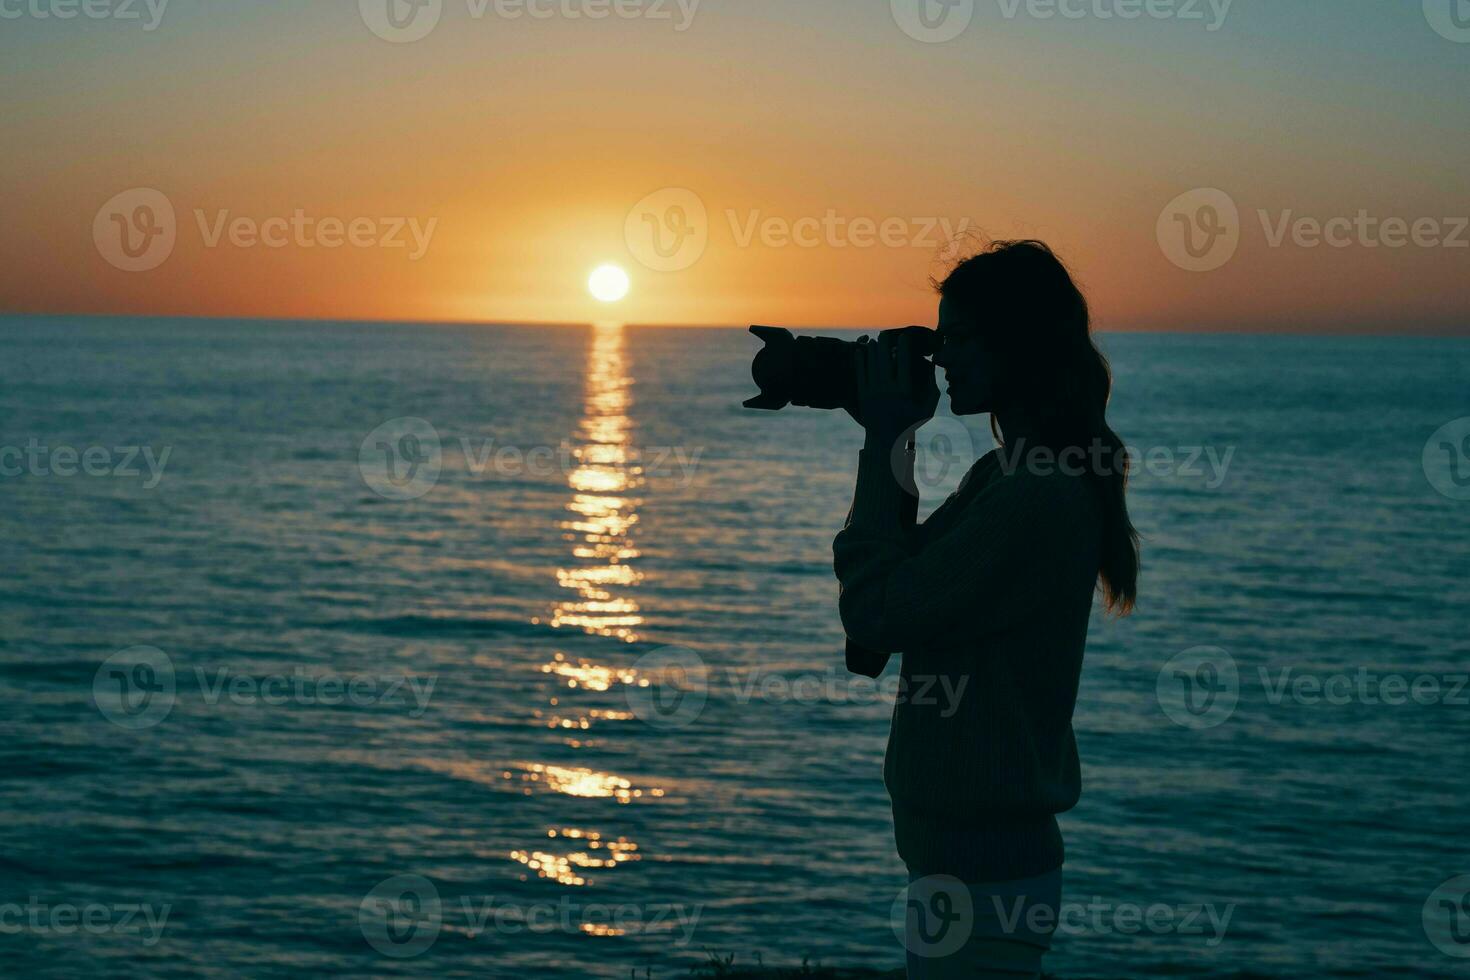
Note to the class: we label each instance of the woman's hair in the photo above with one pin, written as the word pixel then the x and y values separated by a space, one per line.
pixel 1031 317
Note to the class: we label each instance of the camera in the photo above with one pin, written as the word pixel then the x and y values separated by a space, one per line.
pixel 822 372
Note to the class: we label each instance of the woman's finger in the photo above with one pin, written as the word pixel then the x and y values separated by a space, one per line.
pixel 903 349
pixel 872 353
pixel 888 360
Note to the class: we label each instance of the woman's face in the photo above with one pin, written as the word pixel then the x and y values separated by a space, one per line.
pixel 968 370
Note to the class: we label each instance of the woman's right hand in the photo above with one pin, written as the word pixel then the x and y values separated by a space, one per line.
pixel 889 402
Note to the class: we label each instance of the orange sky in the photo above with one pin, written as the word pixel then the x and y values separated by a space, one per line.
pixel 525 145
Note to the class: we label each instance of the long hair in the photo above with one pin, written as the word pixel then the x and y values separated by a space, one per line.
pixel 1032 318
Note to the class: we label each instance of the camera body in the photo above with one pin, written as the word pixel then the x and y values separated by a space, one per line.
pixel 822 372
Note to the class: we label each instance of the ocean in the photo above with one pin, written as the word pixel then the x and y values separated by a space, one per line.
pixel 340 649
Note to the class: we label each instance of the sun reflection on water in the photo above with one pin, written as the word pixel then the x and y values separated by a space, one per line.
pixel 603 508
pixel 592 853
pixel 587 783
pixel 601 517
pixel 587 675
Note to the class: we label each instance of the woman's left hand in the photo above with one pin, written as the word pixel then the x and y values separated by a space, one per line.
pixel 891 403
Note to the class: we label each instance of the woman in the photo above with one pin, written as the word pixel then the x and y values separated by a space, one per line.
pixel 988 601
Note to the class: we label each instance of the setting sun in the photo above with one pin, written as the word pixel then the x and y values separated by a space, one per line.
pixel 609 283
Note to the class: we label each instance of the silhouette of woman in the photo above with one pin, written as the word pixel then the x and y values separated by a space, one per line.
pixel 988 601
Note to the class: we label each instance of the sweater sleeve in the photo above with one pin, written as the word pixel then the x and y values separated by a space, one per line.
pixel 990 571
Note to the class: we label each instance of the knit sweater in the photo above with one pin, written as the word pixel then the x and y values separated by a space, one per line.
pixel 988 602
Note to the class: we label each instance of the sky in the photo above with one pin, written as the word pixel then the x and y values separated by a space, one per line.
pixel 1261 165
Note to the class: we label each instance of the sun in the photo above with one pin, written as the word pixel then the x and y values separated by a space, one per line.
pixel 609 283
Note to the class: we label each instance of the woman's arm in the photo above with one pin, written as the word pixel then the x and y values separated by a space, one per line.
pixel 865 660
pixel 995 567
pixel 890 411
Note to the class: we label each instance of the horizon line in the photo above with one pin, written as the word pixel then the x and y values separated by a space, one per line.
pixel 1426 332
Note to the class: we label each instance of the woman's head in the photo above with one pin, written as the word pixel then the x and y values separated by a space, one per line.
pixel 1017 344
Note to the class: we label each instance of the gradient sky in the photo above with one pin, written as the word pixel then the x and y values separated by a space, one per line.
pixel 529 141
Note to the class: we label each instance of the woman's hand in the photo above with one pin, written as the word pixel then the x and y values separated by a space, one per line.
pixel 890 405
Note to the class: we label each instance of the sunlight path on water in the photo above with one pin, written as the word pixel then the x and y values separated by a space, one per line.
pixel 602 510
pixel 601 516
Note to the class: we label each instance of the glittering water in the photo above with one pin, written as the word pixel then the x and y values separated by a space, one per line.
pixel 385 652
